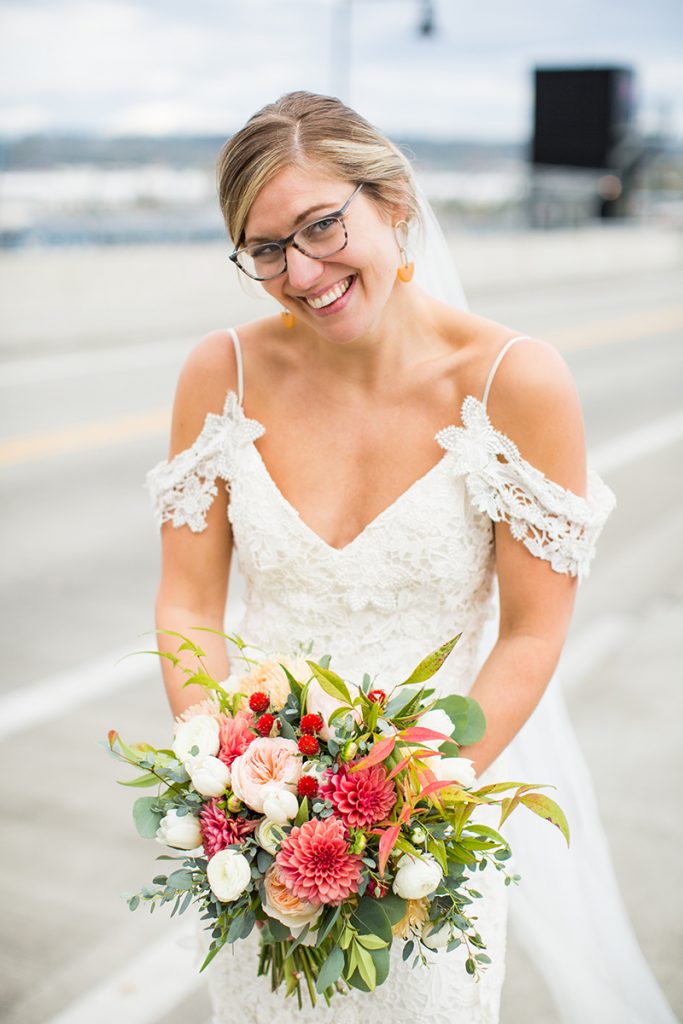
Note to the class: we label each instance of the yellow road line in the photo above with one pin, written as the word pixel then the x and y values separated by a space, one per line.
pixel 25 447
pixel 627 327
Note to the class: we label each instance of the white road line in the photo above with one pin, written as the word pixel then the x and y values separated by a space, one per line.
pixel 152 984
pixel 67 365
pixel 24 708
pixel 50 698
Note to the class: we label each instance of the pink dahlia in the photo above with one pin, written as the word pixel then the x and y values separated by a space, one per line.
pixel 360 798
pixel 219 831
pixel 235 735
pixel 315 863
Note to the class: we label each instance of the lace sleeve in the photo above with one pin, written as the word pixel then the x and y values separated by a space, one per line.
pixel 553 523
pixel 182 489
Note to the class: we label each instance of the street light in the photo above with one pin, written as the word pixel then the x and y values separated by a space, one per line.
pixel 340 51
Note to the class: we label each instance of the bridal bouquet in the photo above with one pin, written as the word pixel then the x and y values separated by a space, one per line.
pixel 335 817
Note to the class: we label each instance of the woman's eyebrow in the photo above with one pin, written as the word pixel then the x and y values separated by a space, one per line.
pixel 302 217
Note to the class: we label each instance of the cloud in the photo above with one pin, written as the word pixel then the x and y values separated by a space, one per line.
pixel 149 66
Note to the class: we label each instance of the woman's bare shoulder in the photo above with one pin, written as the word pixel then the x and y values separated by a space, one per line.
pixel 534 400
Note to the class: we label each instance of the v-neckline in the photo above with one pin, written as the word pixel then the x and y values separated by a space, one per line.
pixel 403 496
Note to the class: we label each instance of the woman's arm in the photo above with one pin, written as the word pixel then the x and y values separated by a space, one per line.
pixel 534 402
pixel 195 566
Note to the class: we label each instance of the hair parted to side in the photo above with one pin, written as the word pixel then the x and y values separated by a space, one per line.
pixel 304 128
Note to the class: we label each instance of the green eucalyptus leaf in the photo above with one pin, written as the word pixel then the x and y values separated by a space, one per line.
pixel 330 970
pixel 146 820
pixel 469 723
pixel 370 918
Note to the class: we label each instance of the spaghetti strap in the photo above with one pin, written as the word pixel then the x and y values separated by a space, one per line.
pixel 496 364
pixel 240 366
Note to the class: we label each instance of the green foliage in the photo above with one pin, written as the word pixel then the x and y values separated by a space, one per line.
pixel 469 722
pixel 432 663
pixel 146 815
pixel 331 683
pixel 546 808
pixel 330 970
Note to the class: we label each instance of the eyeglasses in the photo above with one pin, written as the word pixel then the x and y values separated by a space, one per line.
pixel 263 261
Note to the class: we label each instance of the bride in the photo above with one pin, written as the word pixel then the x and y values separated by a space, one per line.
pixel 390 469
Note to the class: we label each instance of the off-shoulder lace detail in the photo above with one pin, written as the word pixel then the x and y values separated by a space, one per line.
pixel 554 523
pixel 183 488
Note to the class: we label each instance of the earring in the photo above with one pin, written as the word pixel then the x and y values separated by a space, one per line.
pixel 405 271
pixel 288 319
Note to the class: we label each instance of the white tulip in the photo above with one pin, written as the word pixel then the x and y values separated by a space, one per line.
pixel 208 775
pixel 280 805
pixel 268 834
pixel 416 876
pixel 454 769
pixel 181 831
pixel 201 732
pixel 437 936
pixel 229 874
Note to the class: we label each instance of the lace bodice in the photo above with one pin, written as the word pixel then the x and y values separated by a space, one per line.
pixel 420 572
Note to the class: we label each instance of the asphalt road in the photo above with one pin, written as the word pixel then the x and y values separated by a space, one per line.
pixel 80 569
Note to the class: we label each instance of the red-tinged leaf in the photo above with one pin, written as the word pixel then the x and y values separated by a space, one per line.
pixel 386 845
pixel 434 786
pixel 406 811
pixel 379 752
pixel 548 809
pixel 399 767
pixel 500 787
pixel 420 734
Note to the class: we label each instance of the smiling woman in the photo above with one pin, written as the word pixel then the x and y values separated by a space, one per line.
pixel 392 469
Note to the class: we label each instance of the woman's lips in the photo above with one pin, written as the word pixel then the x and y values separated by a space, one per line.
pixel 337 305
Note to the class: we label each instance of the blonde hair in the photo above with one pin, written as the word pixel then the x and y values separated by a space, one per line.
pixel 303 129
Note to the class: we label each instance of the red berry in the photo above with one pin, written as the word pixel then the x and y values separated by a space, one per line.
pixel 378 889
pixel 311 723
pixel 307 786
pixel 377 696
pixel 259 701
pixel 309 745
pixel 264 724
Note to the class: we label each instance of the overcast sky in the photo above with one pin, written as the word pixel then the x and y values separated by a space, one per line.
pixel 158 66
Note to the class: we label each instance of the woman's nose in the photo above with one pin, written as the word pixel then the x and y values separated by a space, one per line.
pixel 302 271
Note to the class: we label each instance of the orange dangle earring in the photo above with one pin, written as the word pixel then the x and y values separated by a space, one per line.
pixel 407 268
pixel 288 319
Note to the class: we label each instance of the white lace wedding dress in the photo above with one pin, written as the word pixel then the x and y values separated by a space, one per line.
pixel 420 572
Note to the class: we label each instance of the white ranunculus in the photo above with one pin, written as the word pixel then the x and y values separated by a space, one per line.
pixel 280 804
pixel 268 834
pixel 202 732
pixel 181 831
pixel 229 874
pixel 439 721
pixel 208 775
pixel 416 876
pixel 454 769
pixel 437 936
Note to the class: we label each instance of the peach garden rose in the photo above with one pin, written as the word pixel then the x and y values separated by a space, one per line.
pixel 266 760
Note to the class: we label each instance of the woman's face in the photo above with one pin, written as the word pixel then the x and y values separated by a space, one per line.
pixel 365 268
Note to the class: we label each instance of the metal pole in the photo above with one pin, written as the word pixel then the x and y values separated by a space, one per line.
pixel 340 54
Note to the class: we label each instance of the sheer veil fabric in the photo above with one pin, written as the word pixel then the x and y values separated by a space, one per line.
pixel 567 913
